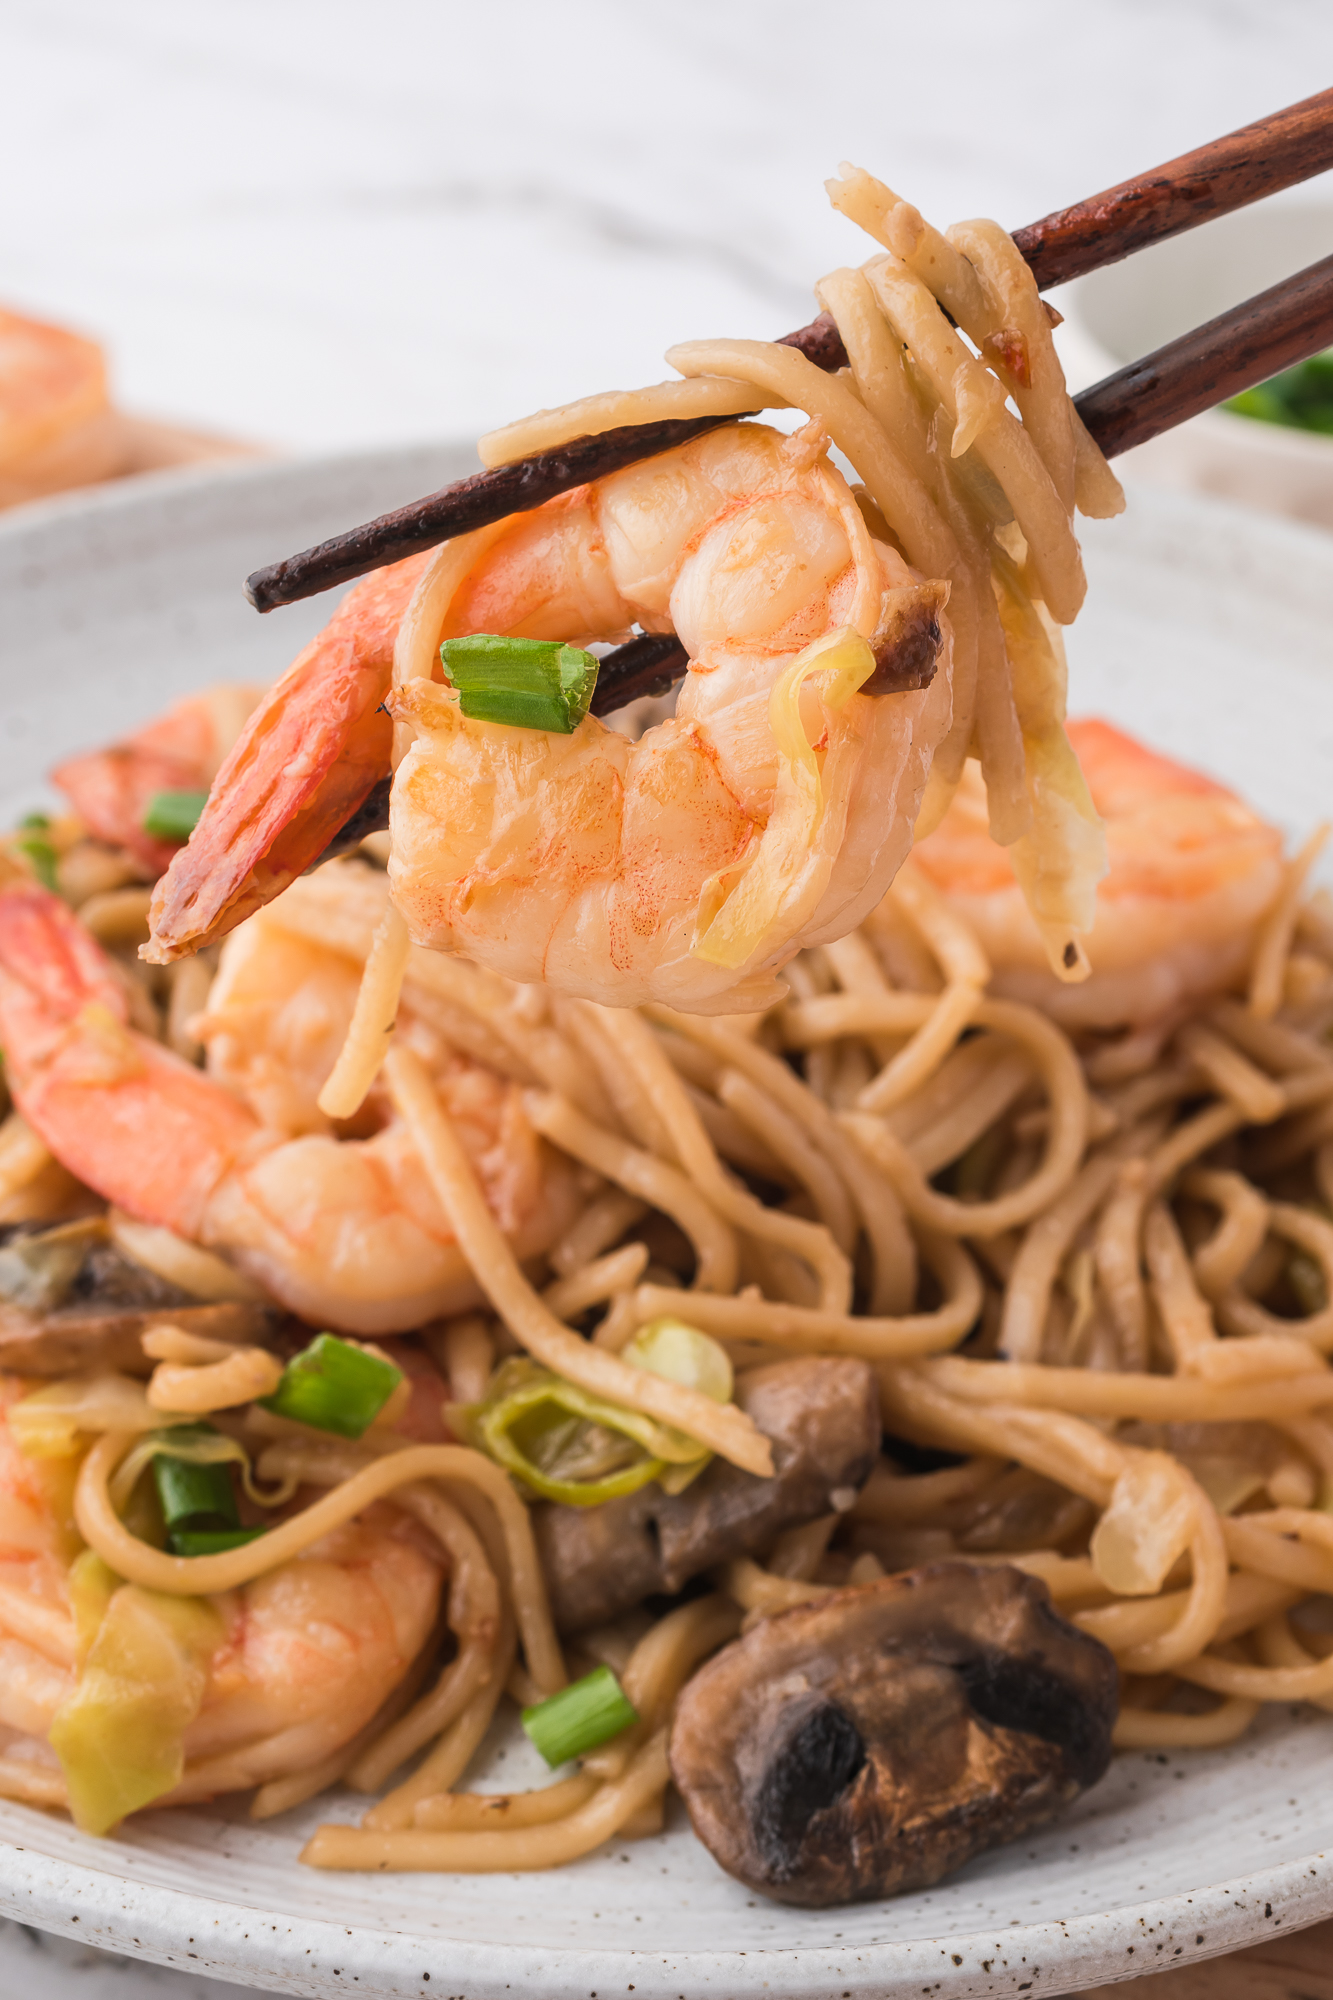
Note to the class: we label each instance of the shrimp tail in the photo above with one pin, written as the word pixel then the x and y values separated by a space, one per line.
pixel 306 760
pixel 131 1121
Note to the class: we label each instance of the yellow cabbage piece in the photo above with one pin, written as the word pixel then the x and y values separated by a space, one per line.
pixel 54 1422
pixel 790 864
pixel 1148 1526
pixel 682 1353
pixel 120 1735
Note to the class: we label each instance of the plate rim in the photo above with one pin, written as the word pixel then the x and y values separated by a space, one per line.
pixel 147 1920
pixel 963 1966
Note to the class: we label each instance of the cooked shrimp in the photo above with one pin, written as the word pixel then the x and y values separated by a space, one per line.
pixel 596 864
pixel 277 1015
pixel 57 428
pixel 309 1651
pixel 181 751
pixel 348 1233
pixel 312 1650
pixel 586 861
pixel 315 746
pixel 1192 871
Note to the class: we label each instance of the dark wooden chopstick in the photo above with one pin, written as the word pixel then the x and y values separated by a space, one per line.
pixel 469 503
pixel 1229 173
pixel 644 666
pixel 1259 159
pixel 1270 332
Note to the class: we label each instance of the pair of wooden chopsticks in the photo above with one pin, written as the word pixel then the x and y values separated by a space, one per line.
pixel 1201 369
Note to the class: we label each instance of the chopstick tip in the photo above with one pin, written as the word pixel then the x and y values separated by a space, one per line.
pixel 262 589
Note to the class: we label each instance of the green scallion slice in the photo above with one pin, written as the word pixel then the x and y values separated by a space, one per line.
pixel 581 1716
pixel 334 1386
pixel 211 1541
pixel 525 683
pixel 194 1496
pixel 41 856
pixel 173 815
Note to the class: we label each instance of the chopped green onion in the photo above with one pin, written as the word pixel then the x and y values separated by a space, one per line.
pixel 334 1386
pixel 194 1496
pixel 567 1445
pixel 35 822
pixel 525 683
pixel 581 1716
pixel 173 815
pixel 41 857
pixel 211 1541
pixel 197 1499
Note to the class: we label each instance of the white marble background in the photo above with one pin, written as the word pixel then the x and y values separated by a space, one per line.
pixel 316 224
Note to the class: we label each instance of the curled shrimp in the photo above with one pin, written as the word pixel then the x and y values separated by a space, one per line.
pixel 596 864
pixel 1192 871
pixel 600 865
pixel 345 1232
pixel 305 1654
pixel 181 751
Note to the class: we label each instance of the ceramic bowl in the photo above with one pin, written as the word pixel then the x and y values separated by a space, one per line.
pixel 1209 632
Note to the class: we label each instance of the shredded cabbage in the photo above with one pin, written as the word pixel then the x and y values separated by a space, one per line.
pixel 1147 1527
pixel 194 1444
pixel 54 1422
pixel 789 864
pixel 1062 859
pixel 120 1735
pixel 682 1353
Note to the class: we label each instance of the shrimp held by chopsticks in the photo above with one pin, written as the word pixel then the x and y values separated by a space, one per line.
pixel 771 812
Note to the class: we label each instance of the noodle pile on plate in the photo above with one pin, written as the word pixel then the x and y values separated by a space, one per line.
pixel 1098 1275
pixel 1092 1273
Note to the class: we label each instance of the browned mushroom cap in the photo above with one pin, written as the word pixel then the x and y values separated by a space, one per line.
pixel 877 1739
pixel 70 1300
pixel 822 1414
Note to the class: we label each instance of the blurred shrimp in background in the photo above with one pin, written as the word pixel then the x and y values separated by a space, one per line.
pixel 58 426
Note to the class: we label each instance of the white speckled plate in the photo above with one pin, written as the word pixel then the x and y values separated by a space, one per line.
pixel 1212 634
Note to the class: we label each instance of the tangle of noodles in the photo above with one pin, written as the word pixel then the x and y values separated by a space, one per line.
pixel 1094 1272
pixel 1088 1219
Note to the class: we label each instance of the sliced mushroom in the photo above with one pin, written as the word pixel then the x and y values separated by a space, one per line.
pixel 822 1414
pixel 70 1300
pixel 877 1739
pixel 1022 1510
